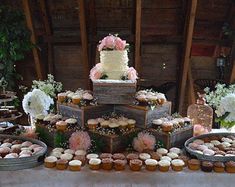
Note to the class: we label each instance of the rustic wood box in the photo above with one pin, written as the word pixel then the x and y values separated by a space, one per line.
pixel 113 143
pixel 143 114
pixel 52 137
pixel 174 139
pixel 82 114
pixel 114 93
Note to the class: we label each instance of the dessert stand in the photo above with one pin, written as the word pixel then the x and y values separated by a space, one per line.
pixel 205 157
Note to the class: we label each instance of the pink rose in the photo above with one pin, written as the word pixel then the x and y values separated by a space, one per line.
pixel 96 72
pixel 101 46
pixel 132 74
pixel 109 41
pixel 120 44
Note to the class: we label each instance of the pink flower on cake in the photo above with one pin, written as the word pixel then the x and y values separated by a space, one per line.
pixel 109 41
pixel 120 44
pixel 80 140
pixel 144 141
pixel 132 74
pixel 96 72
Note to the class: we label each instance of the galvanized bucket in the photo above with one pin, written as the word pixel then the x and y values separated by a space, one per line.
pixel 25 162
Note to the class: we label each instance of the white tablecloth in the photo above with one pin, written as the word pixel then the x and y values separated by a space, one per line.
pixel 43 177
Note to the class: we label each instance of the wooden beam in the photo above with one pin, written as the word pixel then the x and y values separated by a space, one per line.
pixel 47 25
pixel 232 75
pixel 29 22
pixel 192 98
pixel 138 36
pixel 82 20
pixel 187 50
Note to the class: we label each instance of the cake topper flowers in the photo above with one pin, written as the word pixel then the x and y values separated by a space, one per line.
pixel 112 42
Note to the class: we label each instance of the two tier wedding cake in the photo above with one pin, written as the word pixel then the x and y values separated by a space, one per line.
pixel 113 61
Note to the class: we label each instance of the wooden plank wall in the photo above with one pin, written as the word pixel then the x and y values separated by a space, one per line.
pixel 162 27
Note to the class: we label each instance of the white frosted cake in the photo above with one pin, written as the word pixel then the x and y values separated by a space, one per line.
pixel 113 61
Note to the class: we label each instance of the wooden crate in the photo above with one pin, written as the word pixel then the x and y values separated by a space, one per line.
pixel 114 93
pixel 174 139
pixel 82 114
pixel 113 143
pixel 143 114
pixel 52 137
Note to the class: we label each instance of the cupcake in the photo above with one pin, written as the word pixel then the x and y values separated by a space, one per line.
pixel 12 155
pixel 155 156
pixel 92 124
pixel 91 156
pixel 66 156
pixel 61 164
pixel 105 124
pixel 177 165
pixel 75 165
pixel 119 156
pixel 135 165
pixel 123 124
pixel 50 161
pixel 185 159
pixel 80 152
pixel 141 98
pixel 132 156
pixel 61 125
pixel 119 165
pixel 194 164
pixel 230 167
pixel 151 164
pixel 219 167
pixel 157 122
pixel 76 99
pixel 172 155
pixel 81 158
pixel 61 97
pixel 144 156
pixel 94 163
pixel 107 163
pixel 167 126
pixel 207 166
pixel 69 151
pixel 161 99
pixel 175 150
pixel 162 151
pixel 105 155
pixel 71 122
pixel 87 97
pixel 164 165
pixel 131 123
pixel 57 154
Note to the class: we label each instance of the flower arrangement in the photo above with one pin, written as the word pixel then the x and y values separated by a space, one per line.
pixel 49 86
pixel 36 102
pixel 98 73
pixel 222 99
pixel 80 140
pixel 112 42
pixel 144 141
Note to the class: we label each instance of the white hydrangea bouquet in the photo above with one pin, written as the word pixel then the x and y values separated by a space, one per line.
pixel 36 103
pixel 222 99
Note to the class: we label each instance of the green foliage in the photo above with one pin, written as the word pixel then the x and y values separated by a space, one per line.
pixel 14 42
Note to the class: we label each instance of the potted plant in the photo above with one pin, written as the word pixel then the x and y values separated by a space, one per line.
pixel 14 43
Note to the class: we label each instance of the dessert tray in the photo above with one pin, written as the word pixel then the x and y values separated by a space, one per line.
pixel 210 136
pixel 12 118
pixel 34 160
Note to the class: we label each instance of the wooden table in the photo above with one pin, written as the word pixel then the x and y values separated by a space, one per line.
pixel 43 177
